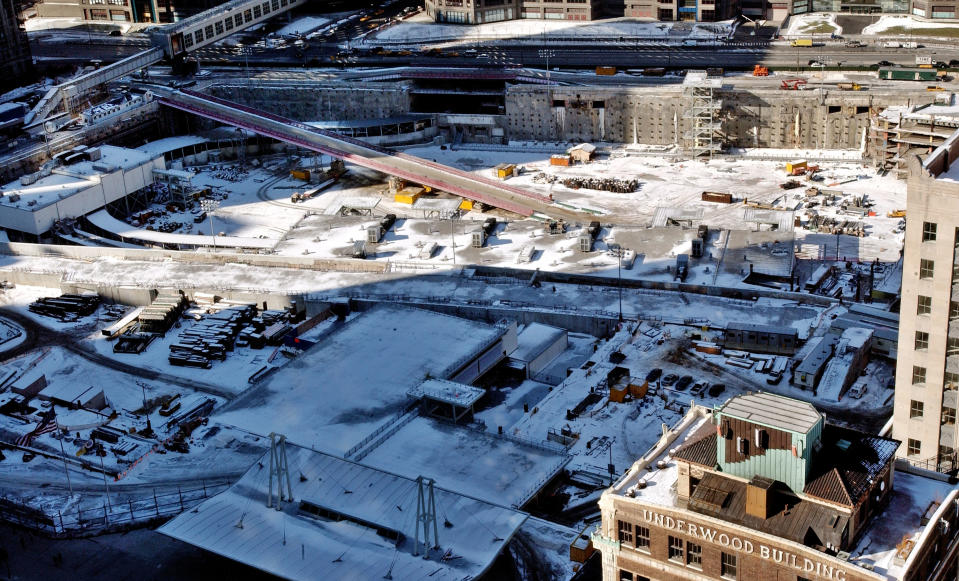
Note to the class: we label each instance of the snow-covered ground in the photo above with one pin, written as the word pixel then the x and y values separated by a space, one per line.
pixel 421 29
pixel 812 24
pixel 888 21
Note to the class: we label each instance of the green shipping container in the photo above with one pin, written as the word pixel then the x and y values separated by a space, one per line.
pixel 904 74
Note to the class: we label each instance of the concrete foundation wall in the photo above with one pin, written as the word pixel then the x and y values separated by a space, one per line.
pixel 597 326
pixel 315 102
pixel 654 115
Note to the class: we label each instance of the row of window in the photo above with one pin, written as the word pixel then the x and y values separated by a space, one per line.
pixel 950 380
pixel 922 342
pixel 217 28
pixel 916 410
pixel 924 307
pixel 680 551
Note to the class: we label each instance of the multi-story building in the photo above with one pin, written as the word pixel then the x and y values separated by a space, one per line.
pixel 762 488
pixel 935 8
pixel 100 10
pixel 927 371
pixel 15 58
pixel 480 11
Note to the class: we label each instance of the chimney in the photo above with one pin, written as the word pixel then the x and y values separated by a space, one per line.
pixel 759 497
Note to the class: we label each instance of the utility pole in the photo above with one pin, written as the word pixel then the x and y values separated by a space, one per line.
pixel 210 206
pixel 452 239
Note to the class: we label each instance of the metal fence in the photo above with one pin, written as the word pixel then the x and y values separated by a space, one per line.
pixel 110 515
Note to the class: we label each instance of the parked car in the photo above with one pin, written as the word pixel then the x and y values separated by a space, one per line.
pixel 857 390
pixel 670 379
pixel 699 387
pixel 654 374
pixel 683 382
pixel 884 63
pixel 717 389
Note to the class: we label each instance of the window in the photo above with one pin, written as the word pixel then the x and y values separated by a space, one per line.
pixel 915 409
pixel 928 231
pixel 918 375
pixel 798 578
pixel 926 268
pixel 922 340
pixel 265 7
pixel 642 538
pixel 913 447
pixel 948 416
pixel 728 566
pixel 952 346
pixel 953 310
pixel 625 532
pixel 219 27
pixel 694 555
pixel 228 23
pixel 923 305
pixel 208 31
pixel 625 576
pixel 676 549
pixel 238 19
pixel 247 15
pixel 257 12
pixel 198 35
pixel 276 5
pixel 950 380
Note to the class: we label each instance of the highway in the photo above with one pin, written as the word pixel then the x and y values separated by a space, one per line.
pixel 414 169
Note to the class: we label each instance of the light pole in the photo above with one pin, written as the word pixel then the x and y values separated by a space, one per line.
pixel 546 53
pixel 210 206
pixel 619 279
pixel 452 238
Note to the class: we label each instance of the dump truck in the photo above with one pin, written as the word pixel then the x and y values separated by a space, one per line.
pixel 802 42
pixel 849 86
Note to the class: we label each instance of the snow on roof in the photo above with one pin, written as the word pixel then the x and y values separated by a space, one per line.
pixel 303 25
pixel 451 392
pixel 534 339
pixel 587 147
pixel 102 219
pixel 437 204
pixel 301 541
pixel 484 465
pixel 857 337
pixel 169 144
pixel 45 191
pixel 357 378
pixel 773 410
pixel 911 496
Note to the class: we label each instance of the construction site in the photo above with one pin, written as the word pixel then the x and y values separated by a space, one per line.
pixel 411 322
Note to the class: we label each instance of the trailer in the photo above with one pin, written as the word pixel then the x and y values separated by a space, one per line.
pixel 907 74
pixel 682 267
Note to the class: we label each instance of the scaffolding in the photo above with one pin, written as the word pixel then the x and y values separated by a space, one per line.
pixel 702 109
pixel 897 133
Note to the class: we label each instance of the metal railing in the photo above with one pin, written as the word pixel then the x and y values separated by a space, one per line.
pixel 79 521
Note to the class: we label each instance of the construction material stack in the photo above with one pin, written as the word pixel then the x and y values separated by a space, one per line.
pixel 165 309
pixel 68 307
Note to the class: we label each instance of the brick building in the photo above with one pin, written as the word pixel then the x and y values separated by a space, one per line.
pixel 762 488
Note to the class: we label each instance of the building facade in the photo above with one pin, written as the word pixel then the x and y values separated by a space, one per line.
pixel 100 10
pixel 762 488
pixel 15 60
pixel 927 371
pixel 934 9
pixel 482 11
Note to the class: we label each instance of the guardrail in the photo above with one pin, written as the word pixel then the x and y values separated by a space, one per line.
pixel 78 522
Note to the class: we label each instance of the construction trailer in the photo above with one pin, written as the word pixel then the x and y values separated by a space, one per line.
pixel 481 233
pixel 907 74
pixel 682 267
pixel 761 338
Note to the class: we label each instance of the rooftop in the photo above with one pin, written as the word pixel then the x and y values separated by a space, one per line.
pixel 342 523
pixel 774 411
pixel 451 392
pixel 357 378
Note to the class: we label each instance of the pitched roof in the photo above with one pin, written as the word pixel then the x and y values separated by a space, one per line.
pixel 847 465
pixel 700 450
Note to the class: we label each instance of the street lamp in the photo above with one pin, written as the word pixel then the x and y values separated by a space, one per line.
pixel 546 53
pixel 210 206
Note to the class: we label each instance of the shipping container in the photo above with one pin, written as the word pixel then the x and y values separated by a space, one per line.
pixel 300 174
pixel 602 70
pixel 907 74
pixel 466 204
pixel 408 195
pixel 718 197
pixel 559 160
